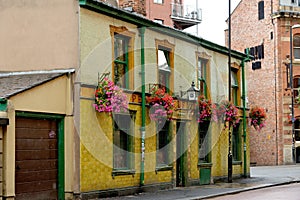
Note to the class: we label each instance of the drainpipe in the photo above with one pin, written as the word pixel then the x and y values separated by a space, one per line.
pixel 142 32
pixel 244 111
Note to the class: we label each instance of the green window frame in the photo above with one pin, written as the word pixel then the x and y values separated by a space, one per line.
pixel 123 140
pixel 163 146
pixel 202 76
pixel 236 143
pixel 121 60
pixel 234 86
pixel 204 143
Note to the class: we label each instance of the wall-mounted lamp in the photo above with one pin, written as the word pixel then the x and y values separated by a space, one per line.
pixel 192 93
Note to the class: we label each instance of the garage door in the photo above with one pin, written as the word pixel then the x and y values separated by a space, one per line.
pixel 36 159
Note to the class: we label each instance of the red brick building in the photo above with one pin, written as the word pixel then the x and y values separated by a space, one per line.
pixel 268 28
pixel 173 13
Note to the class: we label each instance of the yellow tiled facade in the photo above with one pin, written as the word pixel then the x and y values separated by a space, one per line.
pixel 96 129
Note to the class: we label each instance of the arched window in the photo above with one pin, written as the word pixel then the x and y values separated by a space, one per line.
pixel 296 44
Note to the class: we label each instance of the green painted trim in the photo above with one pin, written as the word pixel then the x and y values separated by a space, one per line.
pixel 61 146
pixel 143 131
pixel 82 2
pixel 120 14
pixel 61 160
pixel 247 59
pixel 3 104
pixel 39 115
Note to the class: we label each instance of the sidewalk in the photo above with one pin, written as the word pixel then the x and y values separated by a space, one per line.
pixel 261 177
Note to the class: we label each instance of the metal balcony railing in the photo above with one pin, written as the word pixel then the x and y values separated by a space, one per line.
pixel 186 12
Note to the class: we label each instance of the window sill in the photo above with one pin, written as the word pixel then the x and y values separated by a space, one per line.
pixel 237 162
pixel 163 168
pixel 121 172
pixel 204 165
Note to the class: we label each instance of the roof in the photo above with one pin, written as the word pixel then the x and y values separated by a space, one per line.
pixel 13 83
pixel 140 21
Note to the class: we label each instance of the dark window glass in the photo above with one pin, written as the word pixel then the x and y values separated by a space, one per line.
pixel 261 14
pixel 236 143
pixel 162 144
pixel 202 76
pixel 123 141
pixel 234 86
pixel 296 44
pixel 204 142
pixel 121 61
pixel 297 130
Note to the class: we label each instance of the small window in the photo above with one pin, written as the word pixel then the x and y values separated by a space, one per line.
pixel 296 44
pixel 121 61
pixel 123 141
pixel 163 139
pixel 261 13
pixel 122 56
pixel 234 86
pixel 296 87
pixel 160 21
pixel 158 1
pixel 202 76
pixel 164 69
pixel 165 65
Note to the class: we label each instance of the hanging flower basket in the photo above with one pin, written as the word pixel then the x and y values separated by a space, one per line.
pixel 109 97
pixel 206 109
pixel 228 112
pixel 257 116
pixel 161 104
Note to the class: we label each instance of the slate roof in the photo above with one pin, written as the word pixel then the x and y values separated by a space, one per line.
pixel 12 83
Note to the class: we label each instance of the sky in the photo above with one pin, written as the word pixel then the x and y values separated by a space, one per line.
pixel 214 15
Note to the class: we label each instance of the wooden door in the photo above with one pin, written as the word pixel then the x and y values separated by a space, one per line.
pixel 36 159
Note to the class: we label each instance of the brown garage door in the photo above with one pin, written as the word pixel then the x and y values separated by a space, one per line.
pixel 36 159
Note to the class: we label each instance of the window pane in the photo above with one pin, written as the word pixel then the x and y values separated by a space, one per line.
pixel 234 81
pixel 297 130
pixel 296 41
pixel 235 142
pixel 163 141
pixel 202 76
pixel 121 61
pixel 158 1
pixel 261 10
pixel 120 75
pixel 297 53
pixel 122 141
pixel 164 68
pixel 296 44
pixel 203 142
pixel 120 149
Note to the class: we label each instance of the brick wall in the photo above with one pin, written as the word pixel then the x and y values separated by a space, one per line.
pixel 267 87
pixel 263 84
pixel 138 6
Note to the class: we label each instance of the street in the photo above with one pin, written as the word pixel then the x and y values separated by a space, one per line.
pixel 266 182
pixel 290 192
